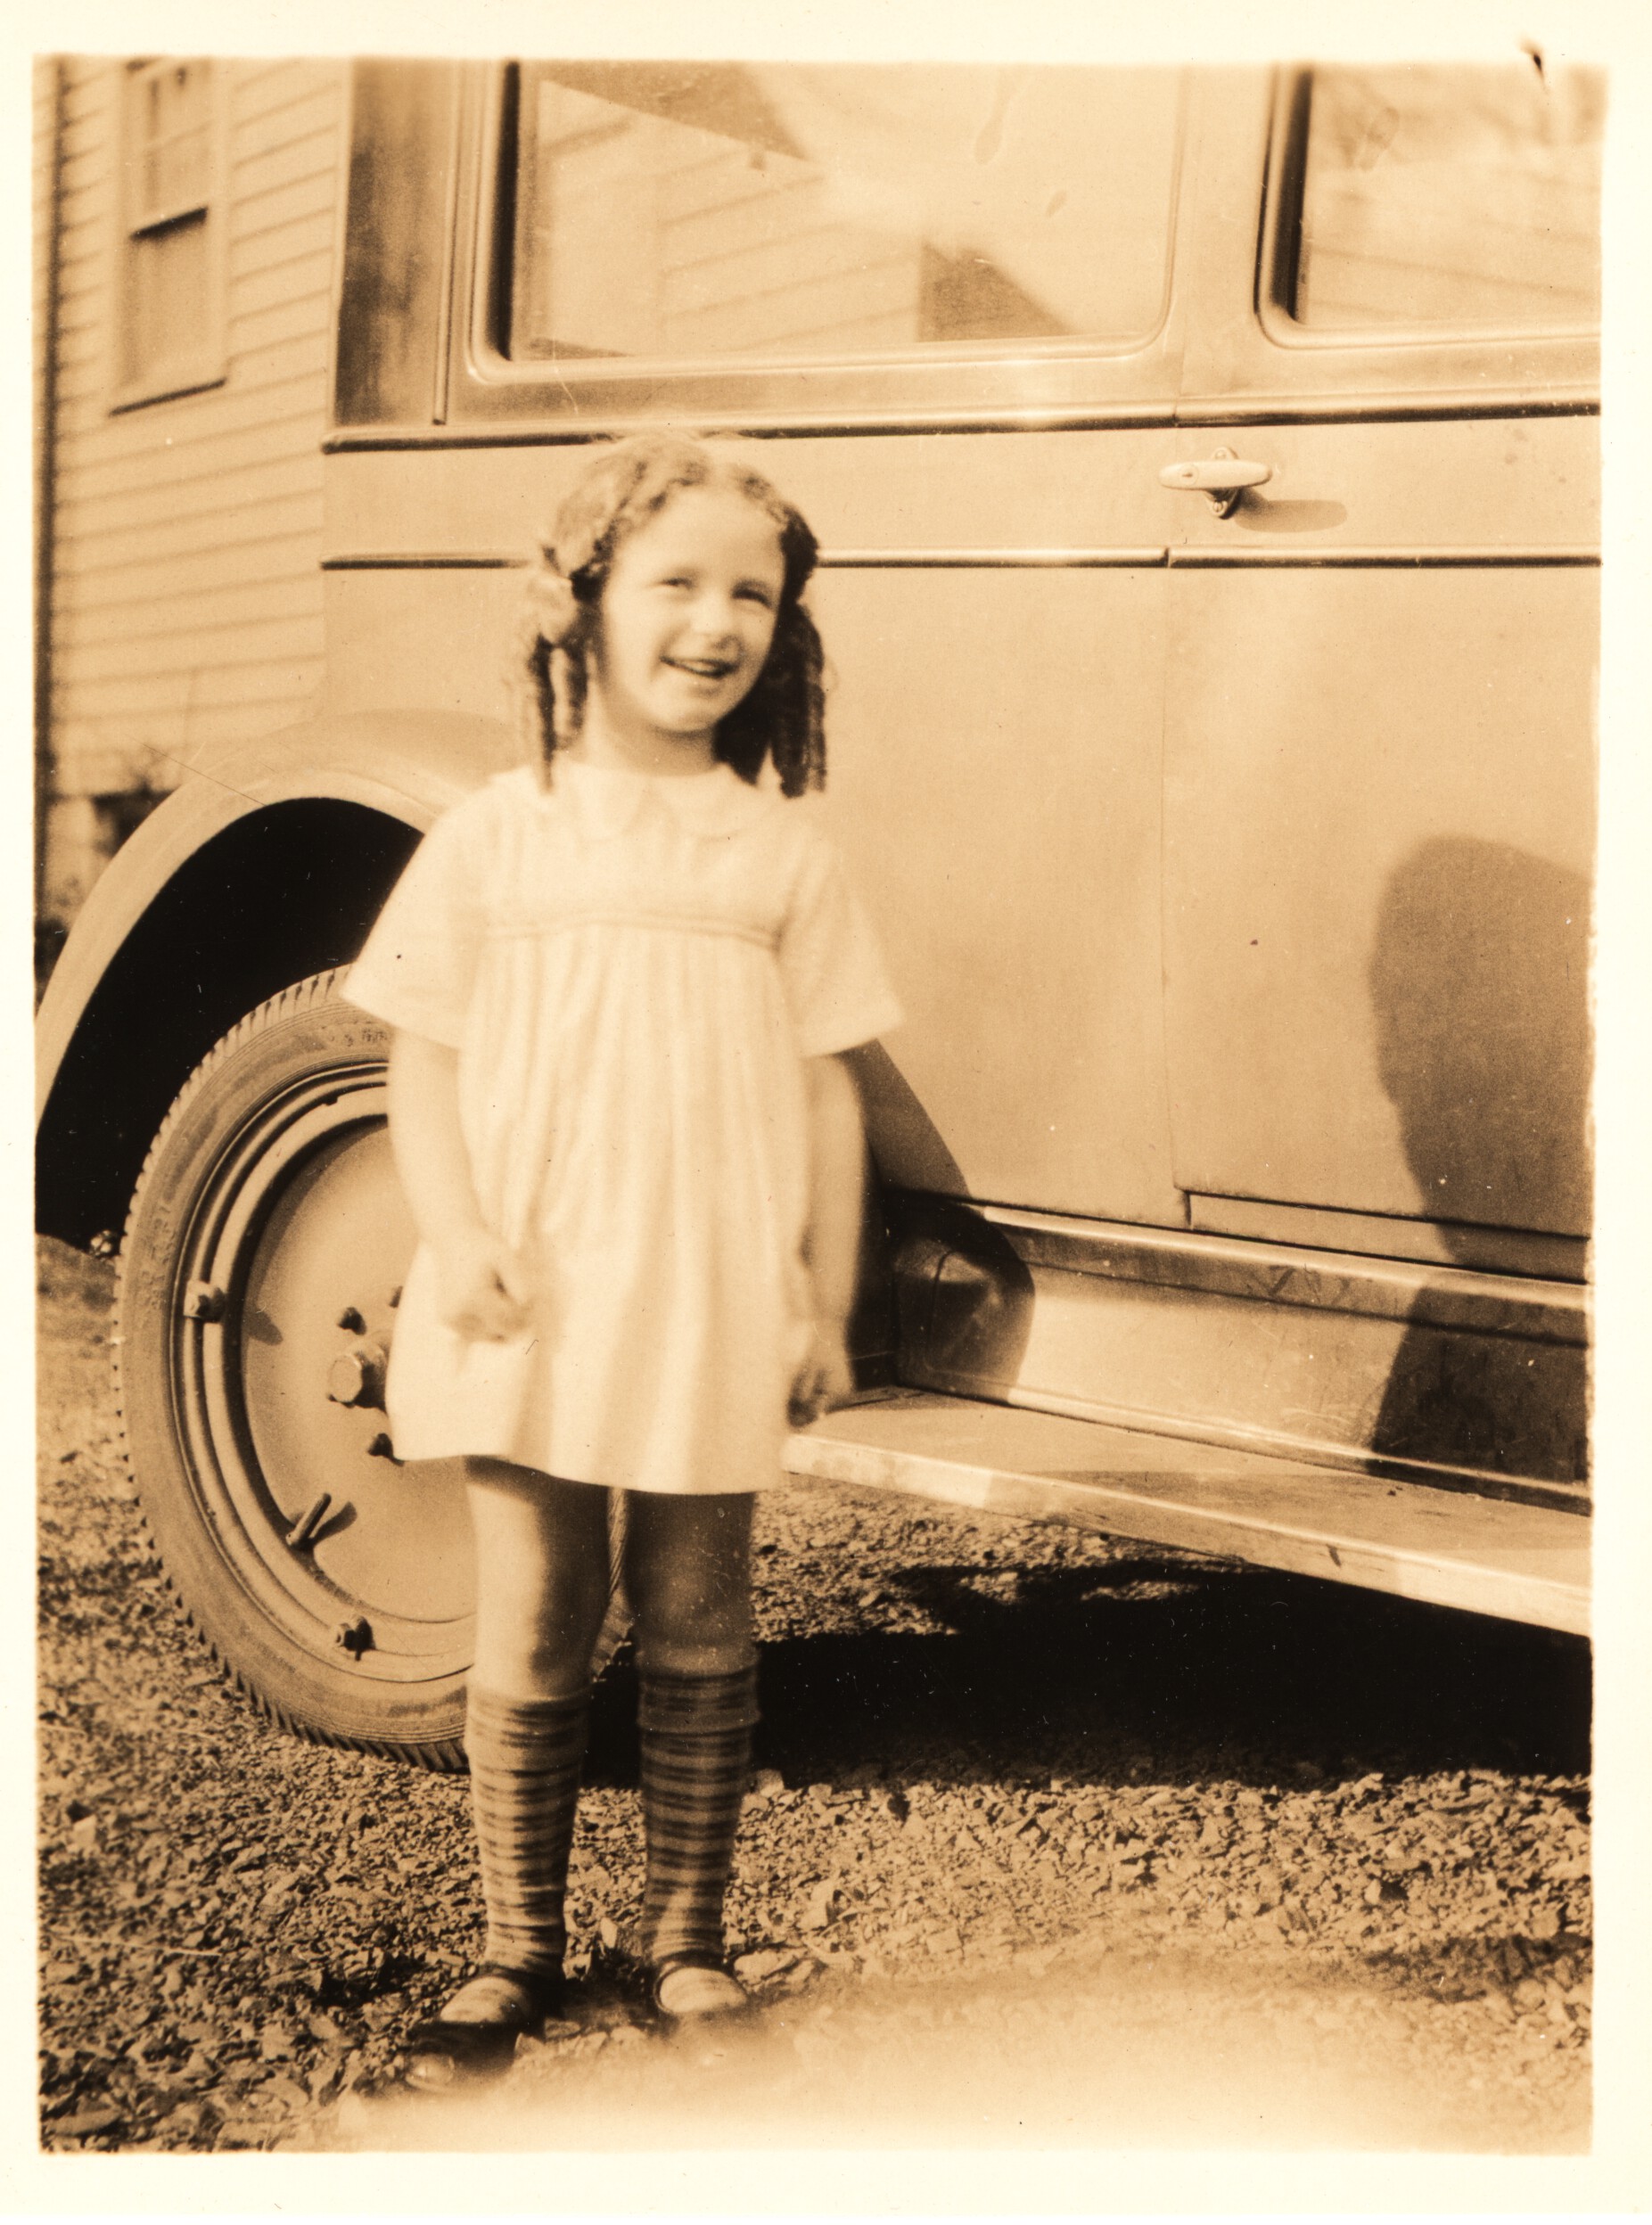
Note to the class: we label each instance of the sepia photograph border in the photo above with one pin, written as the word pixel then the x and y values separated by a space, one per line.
pixel 1617 2174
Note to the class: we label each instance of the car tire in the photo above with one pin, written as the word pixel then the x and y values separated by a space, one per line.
pixel 259 1277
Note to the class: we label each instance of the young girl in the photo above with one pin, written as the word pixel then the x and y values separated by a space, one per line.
pixel 621 979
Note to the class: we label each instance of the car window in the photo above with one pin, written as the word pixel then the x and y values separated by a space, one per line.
pixel 688 210
pixel 1454 196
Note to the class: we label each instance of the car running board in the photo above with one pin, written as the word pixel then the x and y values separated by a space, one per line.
pixel 1492 1557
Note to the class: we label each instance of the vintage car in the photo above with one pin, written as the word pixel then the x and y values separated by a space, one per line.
pixel 1205 464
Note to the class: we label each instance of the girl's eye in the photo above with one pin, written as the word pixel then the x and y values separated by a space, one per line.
pixel 760 595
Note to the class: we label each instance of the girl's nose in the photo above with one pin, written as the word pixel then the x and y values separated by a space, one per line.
pixel 714 616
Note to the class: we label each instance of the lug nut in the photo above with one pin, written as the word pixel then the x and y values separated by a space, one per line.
pixel 356 1378
pixel 347 1379
pixel 353 1639
pixel 351 1320
pixel 204 1301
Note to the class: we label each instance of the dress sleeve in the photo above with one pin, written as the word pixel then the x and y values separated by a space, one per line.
pixel 835 985
pixel 419 962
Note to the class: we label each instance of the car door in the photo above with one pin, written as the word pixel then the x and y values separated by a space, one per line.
pixel 1378 723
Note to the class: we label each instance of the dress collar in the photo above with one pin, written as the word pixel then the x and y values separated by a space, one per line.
pixel 606 799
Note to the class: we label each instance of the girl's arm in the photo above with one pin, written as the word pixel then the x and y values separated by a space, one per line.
pixel 832 1242
pixel 481 1291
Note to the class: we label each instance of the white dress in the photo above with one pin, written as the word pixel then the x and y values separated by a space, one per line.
pixel 632 969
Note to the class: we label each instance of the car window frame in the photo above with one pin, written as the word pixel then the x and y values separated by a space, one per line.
pixel 1281 243
pixel 1245 363
pixel 966 383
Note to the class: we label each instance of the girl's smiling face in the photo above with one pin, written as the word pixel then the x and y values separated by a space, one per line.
pixel 688 616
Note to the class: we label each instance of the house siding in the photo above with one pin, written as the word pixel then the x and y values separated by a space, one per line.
pixel 185 533
pixel 46 149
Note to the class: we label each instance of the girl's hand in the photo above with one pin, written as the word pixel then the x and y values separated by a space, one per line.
pixel 825 1378
pixel 483 1293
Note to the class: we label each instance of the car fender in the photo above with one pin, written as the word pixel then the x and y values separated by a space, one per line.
pixel 410 766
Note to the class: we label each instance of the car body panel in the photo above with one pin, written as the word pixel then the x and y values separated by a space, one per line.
pixel 1378 948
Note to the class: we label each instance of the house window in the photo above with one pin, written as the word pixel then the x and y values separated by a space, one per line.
pixel 170 330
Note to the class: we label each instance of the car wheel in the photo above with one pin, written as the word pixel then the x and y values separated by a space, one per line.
pixel 259 1275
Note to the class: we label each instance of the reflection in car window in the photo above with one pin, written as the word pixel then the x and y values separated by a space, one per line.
pixel 1456 196
pixel 692 209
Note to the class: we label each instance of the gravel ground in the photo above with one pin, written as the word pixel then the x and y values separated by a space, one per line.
pixel 1052 1839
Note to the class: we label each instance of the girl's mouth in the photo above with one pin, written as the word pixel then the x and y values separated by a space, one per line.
pixel 701 668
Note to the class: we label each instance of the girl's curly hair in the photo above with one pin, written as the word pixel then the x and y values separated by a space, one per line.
pixel 625 483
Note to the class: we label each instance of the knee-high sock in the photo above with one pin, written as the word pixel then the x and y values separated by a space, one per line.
pixel 696 1749
pixel 525 1758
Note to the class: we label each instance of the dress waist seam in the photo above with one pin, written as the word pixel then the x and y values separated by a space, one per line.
pixel 669 922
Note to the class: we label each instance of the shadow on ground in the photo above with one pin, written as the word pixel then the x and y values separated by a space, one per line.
pixel 1160 1667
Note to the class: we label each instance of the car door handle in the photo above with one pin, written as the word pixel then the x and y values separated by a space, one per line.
pixel 1223 477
